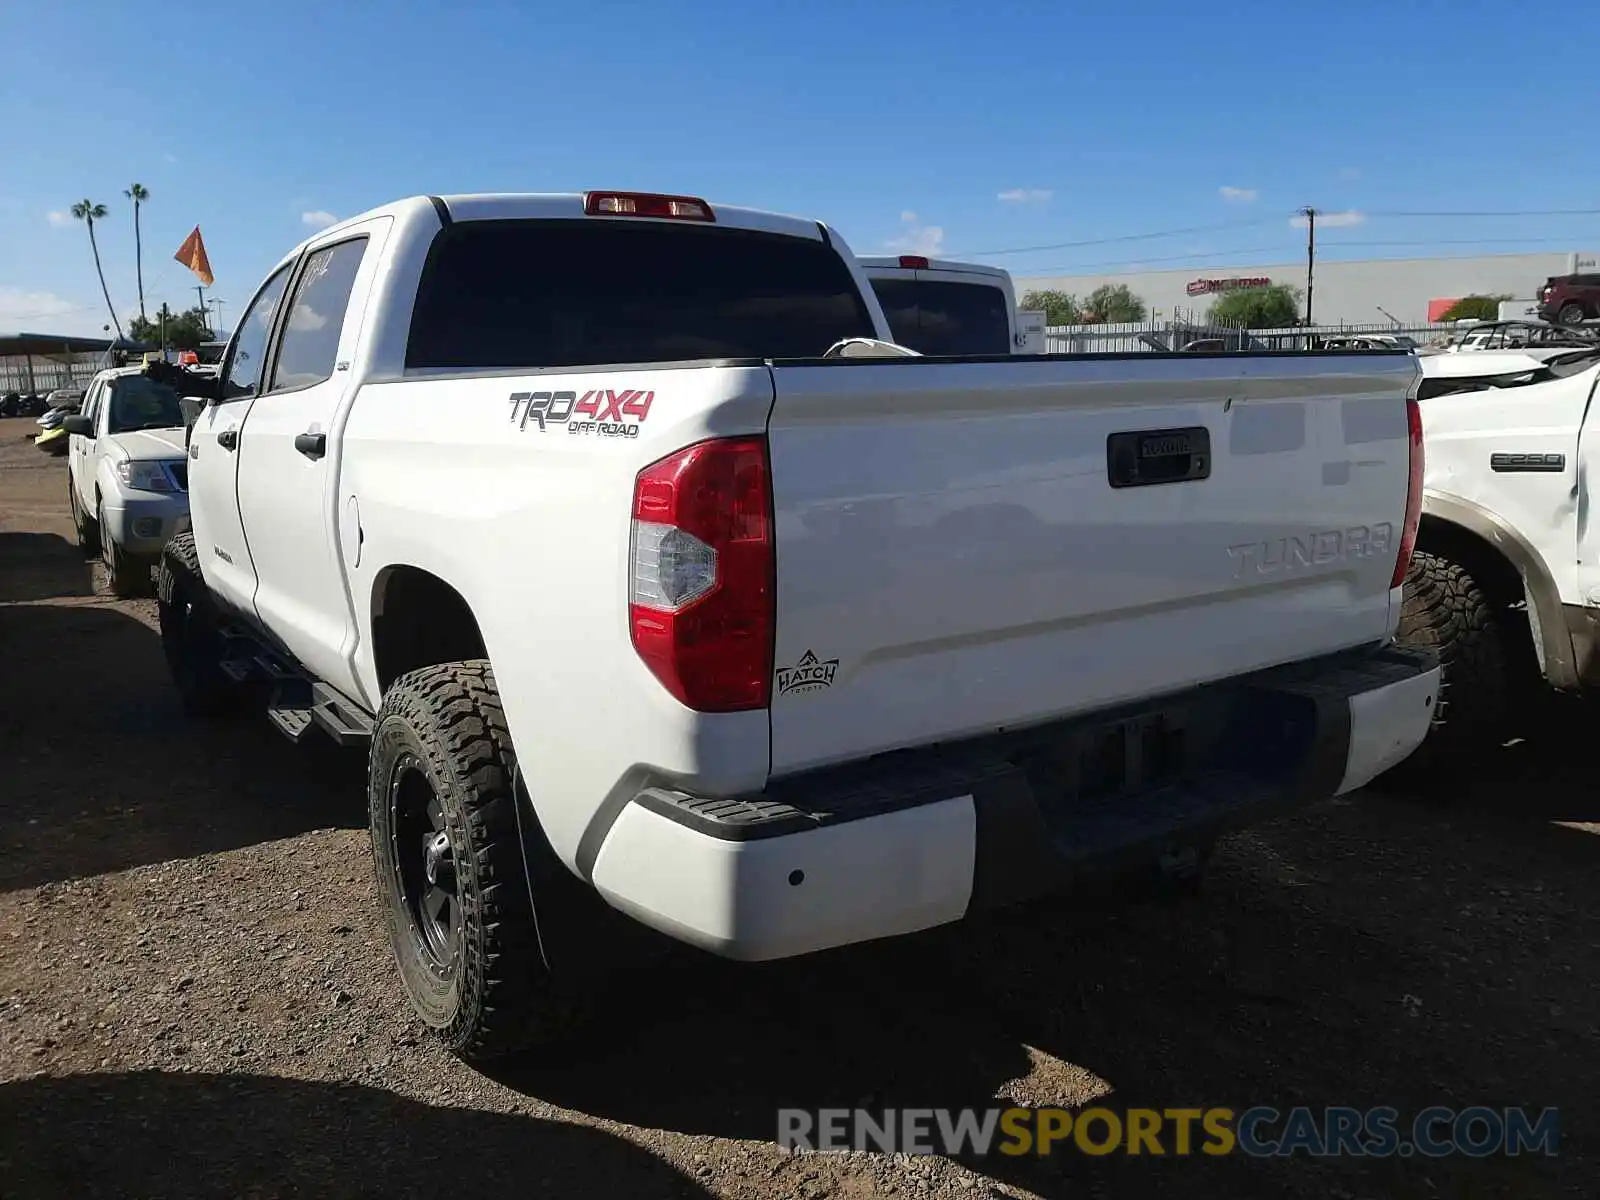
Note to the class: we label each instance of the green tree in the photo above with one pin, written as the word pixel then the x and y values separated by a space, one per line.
pixel 138 193
pixel 1113 304
pixel 89 212
pixel 185 330
pixel 1275 307
pixel 1474 308
pixel 1059 308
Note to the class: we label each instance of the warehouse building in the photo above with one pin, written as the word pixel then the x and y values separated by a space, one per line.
pixel 1412 291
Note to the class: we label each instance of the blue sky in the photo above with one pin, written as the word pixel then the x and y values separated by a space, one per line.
pixel 963 129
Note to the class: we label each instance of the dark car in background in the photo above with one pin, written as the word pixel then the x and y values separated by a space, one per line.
pixel 1568 299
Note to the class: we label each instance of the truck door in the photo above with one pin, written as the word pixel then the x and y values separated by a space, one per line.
pixel 81 457
pixel 288 456
pixel 214 452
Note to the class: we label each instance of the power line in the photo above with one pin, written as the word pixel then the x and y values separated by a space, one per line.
pixel 1327 246
pixel 1523 212
pixel 1129 237
pixel 1263 221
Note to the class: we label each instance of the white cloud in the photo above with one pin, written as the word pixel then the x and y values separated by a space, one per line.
pixel 1026 195
pixel 1238 195
pixel 318 219
pixel 46 312
pixel 1332 220
pixel 1350 173
pixel 58 219
pixel 169 158
pixel 917 238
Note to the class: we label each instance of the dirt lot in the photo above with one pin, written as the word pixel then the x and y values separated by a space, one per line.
pixel 195 998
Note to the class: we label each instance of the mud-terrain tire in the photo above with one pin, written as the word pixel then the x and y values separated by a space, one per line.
pixel 191 637
pixel 442 809
pixel 1447 611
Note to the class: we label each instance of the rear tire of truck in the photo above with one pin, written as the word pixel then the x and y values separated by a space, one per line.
pixel 1447 611
pixel 448 857
pixel 191 635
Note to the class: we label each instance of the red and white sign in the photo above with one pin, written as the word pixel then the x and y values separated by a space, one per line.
pixel 1206 287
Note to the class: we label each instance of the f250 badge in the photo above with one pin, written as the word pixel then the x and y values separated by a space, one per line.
pixel 609 413
pixel 810 674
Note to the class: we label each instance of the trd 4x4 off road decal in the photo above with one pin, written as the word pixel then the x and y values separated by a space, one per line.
pixel 608 413
pixel 810 674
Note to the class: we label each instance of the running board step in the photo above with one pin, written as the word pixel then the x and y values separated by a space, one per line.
pixel 291 722
pixel 240 670
pixel 345 724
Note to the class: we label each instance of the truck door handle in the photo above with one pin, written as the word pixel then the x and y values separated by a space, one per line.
pixel 312 445
pixel 228 439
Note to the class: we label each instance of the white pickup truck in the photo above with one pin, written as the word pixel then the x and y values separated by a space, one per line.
pixel 938 307
pixel 1505 583
pixel 658 616
pixel 126 474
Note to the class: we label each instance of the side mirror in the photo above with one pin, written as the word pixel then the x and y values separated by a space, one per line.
pixel 78 423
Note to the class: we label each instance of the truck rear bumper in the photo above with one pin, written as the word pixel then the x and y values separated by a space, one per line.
pixel 913 840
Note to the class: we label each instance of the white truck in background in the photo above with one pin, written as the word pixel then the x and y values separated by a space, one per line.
pixel 1505 582
pixel 657 613
pixel 940 307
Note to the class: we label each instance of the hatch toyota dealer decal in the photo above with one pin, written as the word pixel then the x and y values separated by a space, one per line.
pixel 610 414
pixel 810 674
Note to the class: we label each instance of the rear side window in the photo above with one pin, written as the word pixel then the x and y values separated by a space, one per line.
pixel 506 294
pixel 946 318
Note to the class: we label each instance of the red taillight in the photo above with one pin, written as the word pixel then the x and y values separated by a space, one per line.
pixel 646 204
pixel 1408 533
pixel 914 262
pixel 701 567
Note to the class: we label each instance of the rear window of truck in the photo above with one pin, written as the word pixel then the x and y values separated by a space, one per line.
pixel 946 318
pixel 534 293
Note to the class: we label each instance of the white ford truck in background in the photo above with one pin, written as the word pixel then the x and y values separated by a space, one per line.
pixel 1505 583
pixel 657 616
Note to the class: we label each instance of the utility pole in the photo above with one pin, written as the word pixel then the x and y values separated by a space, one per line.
pixel 163 331
pixel 200 290
pixel 1310 214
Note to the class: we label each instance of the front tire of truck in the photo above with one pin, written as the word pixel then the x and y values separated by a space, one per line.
pixel 191 636
pixel 1447 610
pixel 449 865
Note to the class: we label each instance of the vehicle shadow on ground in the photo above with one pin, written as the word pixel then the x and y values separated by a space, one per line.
pixel 104 772
pixel 152 1133
pixel 1370 952
pixel 1545 774
pixel 42 566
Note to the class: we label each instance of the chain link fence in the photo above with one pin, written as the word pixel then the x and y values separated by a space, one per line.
pixel 1186 330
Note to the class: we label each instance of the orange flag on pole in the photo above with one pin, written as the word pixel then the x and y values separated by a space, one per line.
pixel 192 254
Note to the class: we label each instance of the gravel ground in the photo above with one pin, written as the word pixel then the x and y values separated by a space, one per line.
pixel 196 999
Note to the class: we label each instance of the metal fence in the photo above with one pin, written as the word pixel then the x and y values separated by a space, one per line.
pixel 1183 329
pixel 43 375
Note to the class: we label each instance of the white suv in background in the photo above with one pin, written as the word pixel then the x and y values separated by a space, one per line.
pixel 127 470
pixel 946 308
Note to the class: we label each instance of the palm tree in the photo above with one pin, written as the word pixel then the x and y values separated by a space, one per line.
pixel 138 193
pixel 88 212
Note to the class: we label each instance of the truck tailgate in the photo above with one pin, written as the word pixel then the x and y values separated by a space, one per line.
pixel 965 547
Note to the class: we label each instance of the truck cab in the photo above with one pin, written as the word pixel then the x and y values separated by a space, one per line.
pixel 939 307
